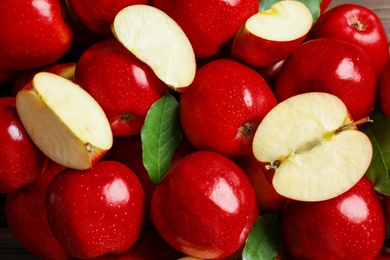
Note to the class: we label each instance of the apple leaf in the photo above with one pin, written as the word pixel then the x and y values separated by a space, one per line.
pixel 160 135
pixel 313 5
pixel 265 239
pixel 379 169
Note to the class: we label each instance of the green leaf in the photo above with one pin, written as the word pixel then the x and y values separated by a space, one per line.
pixel 313 5
pixel 160 135
pixel 265 239
pixel 379 170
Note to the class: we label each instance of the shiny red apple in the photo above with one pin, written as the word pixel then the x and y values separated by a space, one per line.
pixel 384 89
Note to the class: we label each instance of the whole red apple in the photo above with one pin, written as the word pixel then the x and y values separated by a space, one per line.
pixel 223 106
pixel 358 25
pixel 332 66
pixel 205 206
pixel 33 34
pixel 25 211
pixel 96 211
pixel 20 159
pixel 208 24
pixel 384 89
pixel 124 86
pixel 350 226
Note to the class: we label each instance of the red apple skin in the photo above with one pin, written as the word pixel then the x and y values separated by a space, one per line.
pixel 98 15
pixel 109 72
pixel 21 161
pixel 384 89
pixel 324 5
pixel 223 106
pixel 208 24
pixel 205 206
pixel 33 34
pixel 25 211
pixel 332 66
pixel 384 254
pixel 350 226
pixel 96 211
pixel 358 25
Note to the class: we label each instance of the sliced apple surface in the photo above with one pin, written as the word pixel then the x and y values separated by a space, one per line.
pixel 157 40
pixel 313 146
pixel 64 121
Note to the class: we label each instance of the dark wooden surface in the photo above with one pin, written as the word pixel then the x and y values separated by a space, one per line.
pixel 10 249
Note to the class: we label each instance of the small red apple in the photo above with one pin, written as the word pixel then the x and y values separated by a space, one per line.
pixel 205 206
pixel 96 211
pixel 124 86
pixel 223 106
pixel 384 89
pixel 351 226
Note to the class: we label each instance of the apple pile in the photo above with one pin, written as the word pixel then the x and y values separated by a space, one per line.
pixel 163 129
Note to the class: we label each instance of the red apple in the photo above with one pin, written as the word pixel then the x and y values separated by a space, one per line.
pixel 205 206
pixel 21 161
pixel 332 66
pixel 384 89
pixel 222 108
pixel 208 24
pixel 25 210
pixel 97 211
pixel 358 25
pixel 324 5
pixel 384 254
pixel 351 226
pixel 33 33
pixel 124 86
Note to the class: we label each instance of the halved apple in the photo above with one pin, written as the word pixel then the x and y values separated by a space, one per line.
pixel 157 40
pixel 64 121
pixel 314 147
pixel 272 35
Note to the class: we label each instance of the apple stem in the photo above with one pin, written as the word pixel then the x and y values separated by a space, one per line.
pixel 358 122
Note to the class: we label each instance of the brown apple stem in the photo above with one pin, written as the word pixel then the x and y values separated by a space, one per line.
pixel 358 122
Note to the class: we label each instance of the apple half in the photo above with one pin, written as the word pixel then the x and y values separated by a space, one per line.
pixel 157 40
pixel 314 147
pixel 270 36
pixel 64 121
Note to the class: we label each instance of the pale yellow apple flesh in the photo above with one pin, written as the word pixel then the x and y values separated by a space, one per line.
pixel 315 157
pixel 157 40
pixel 64 121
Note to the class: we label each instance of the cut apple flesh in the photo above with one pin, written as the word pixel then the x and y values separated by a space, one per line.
pixel 307 141
pixel 64 121
pixel 284 21
pixel 157 40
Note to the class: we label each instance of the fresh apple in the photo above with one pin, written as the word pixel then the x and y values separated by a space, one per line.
pixel 384 254
pixel 332 66
pixel 64 121
pixel 123 86
pixel 96 211
pixel 33 34
pixel 270 36
pixel 349 226
pixel 205 206
pixel 20 159
pixel 99 15
pixel 384 89
pixel 222 108
pixel 208 24
pixel 25 211
pixel 157 40
pixel 314 147
pixel 324 5
pixel 358 25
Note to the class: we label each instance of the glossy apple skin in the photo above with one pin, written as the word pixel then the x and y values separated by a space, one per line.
pixel 350 226
pixel 124 86
pixel 358 25
pixel 332 66
pixel 33 33
pixel 205 206
pixel 96 211
pixel 25 211
pixel 20 159
pixel 324 5
pixel 223 106
pixel 208 24
pixel 384 89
